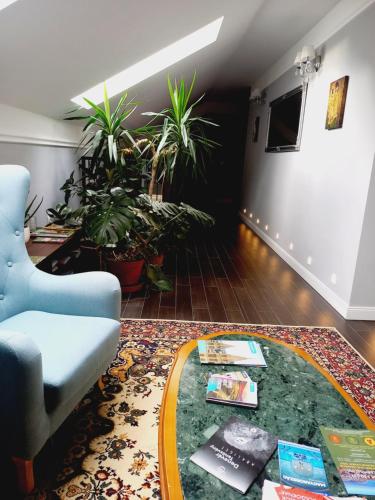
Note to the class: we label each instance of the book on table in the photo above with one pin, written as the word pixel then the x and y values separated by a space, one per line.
pixel 276 491
pixel 353 452
pixel 233 388
pixel 48 239
pixel 231 352
pixel 236 453
pixel 302 466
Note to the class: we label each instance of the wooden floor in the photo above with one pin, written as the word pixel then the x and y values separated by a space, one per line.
pixel 236 277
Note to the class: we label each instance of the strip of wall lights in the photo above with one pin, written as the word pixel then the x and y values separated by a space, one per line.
pixel 153 64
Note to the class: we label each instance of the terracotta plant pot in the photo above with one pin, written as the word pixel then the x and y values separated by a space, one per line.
pixel 157 260
pixel 128 273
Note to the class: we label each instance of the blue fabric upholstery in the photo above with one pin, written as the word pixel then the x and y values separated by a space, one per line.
pixel 57 333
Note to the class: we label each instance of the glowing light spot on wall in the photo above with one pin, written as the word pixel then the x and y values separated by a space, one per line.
pixel 244 210
pixel 251 215
pixel 309 260
pixel 277 236
pixel 258 221
pixel 291 245
pixel 333 278
pixel 266 227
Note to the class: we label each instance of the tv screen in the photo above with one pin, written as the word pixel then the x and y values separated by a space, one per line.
pixel 285 121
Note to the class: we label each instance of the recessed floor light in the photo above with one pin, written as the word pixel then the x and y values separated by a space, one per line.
pixel 258 221
pixel 153 64
pixel 266 227
pixel 291 246
pixel 277 236
pixel 309 260
pixel 251 215
pixel 244 210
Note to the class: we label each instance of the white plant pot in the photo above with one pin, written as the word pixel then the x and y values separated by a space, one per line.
pixel 26 233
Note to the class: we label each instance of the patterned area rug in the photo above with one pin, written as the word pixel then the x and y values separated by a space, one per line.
pixel 108 447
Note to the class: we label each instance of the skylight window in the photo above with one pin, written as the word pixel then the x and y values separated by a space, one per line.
pixel 5 3
pixel 153 64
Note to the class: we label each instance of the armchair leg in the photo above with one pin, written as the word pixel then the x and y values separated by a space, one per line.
pixel 25 474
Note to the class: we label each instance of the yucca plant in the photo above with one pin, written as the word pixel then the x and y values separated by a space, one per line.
pixel 104 133
pixel 180 146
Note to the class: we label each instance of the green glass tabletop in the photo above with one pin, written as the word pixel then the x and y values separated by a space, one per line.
pixel 294 400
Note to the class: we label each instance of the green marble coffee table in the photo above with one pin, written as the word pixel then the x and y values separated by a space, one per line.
pixel 295 396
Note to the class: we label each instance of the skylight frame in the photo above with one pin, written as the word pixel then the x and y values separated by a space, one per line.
pixel 5 3
pixel 153 64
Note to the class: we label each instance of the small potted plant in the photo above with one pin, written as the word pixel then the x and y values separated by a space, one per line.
pixel 29 214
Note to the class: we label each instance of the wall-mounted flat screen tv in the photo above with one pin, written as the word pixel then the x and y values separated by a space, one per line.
pixel 285 121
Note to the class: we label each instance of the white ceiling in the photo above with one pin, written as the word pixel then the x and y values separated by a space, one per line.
pixel 52 50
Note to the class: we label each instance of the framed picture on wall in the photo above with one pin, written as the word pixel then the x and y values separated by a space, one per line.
pixel 336 103
pixel 255 132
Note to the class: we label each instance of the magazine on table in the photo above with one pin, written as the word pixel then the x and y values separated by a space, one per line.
pixel 48 239
pixel 234 388
pixel 353 452
pixel 231 352
pixel 276 491
pixel 236 453
pixel 302 466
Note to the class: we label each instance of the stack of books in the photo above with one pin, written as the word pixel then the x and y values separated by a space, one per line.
pixel 233 388
pixel 52 233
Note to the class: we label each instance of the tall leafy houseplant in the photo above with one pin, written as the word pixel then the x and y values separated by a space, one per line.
pixel 104 134
pixel 179 145
pixel 116 214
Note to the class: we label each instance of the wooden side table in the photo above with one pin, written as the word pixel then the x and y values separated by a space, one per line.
pixel 44 255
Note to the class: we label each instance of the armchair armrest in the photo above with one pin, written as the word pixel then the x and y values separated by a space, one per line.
pixel 87 294
pixel 22 413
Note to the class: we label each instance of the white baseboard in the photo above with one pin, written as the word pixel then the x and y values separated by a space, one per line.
pixel 364 313
pixel 361 313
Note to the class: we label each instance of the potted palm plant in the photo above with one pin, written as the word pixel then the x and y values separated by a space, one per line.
pixel 179 144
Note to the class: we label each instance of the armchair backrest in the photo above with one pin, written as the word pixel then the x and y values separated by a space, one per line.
pixel 15 265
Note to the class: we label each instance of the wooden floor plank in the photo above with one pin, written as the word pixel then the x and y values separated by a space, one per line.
pixel 215 304
pixel 201 315
pixel 151 307
pixel 167 312
pixel 183 303
pixel 247 307
pixel 227 294
pixel 198 294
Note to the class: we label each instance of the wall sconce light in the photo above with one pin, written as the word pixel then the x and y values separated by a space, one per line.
pixel 307 62
pixel 258 96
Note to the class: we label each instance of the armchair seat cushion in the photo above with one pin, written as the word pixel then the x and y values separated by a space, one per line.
pixel 75 350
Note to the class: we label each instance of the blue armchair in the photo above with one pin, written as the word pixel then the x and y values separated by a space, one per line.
pixel 58 334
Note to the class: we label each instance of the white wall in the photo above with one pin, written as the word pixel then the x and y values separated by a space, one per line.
pixel 49 168
pixel 20 126
pixel 45 146
pixel 316 198
pixel 363 292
